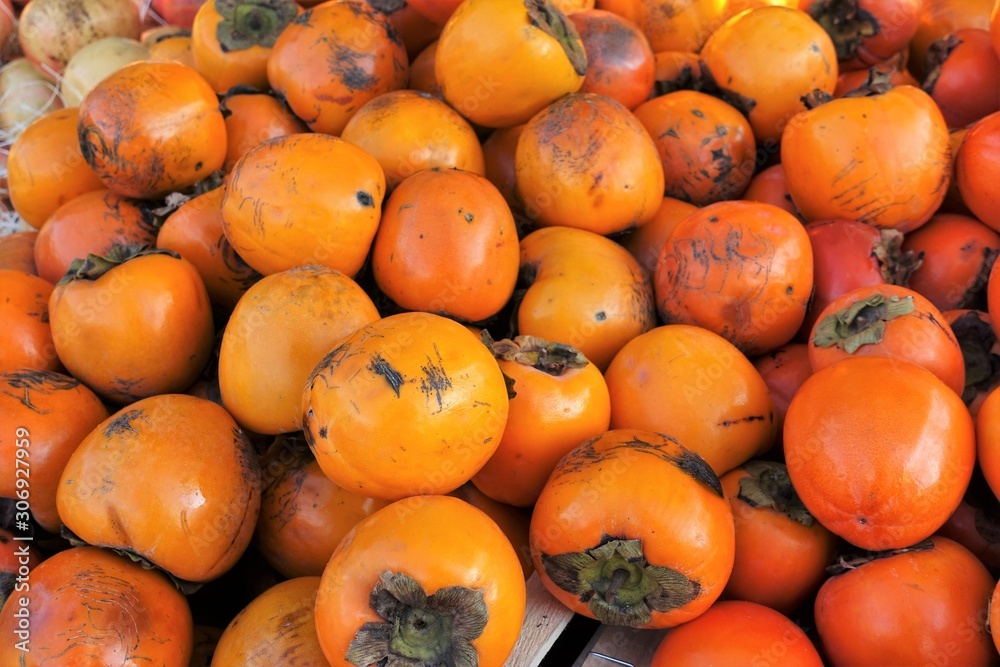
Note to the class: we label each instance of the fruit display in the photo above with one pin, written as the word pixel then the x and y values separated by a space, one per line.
pixel 488 333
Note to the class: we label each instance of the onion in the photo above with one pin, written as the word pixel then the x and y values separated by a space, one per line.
pixel 51 31
pixel 92 63
pixel 25 95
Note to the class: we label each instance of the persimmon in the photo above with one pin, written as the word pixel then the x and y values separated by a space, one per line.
pixel 430 579
pixel 976 528
pixel 408 131
pixel 976 168
pixel 740 269
pixel 53 413
pixel 438 11
pixel 671 25
pixel 195 232
pixel 447 244
pixel 412 403
pixel 231 40
pixel 46 169
pixel 677 70
pixel 697 387
pixel 251 119
pixel 513 521
pixel 644 243
pixel 279 330
pixel 133 323
pixel 938 18
pixel 988 440
pixel 994 29
pixel 166 446
pixel 500 166
pixel 620 63
pixel 91 606
pixel 866 32
pixel 782 551
pixel 17 251
pixel 174 46
pixel 583 290
pixel 706 146
pixel 415 30
pixel 768 186
pixel 487 46
pixel 894 69
pixel 964 76
pixel 91 224
pixel 783 371
pixel 901 437
pixel 737 633
pixel 993 297
pixel 355 56
pixel 981 351
pixel 17 559
pixel 291 179
pixel 561 400
pixel 423 76
pixel 26 336
pixel 632 529
pixel 587 162
pixel 944 591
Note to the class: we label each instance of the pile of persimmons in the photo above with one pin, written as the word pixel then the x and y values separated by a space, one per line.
pixel 323 327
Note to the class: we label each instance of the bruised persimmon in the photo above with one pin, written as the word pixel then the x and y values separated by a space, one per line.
pixel 620 63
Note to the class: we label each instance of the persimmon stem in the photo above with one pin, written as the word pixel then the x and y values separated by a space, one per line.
pixel 620 576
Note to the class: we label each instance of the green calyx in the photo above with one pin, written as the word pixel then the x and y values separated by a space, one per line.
pixel 545 16
pixel 95 266
pixel 861 323
pixel 768 485
pixel 249 23
pixel 552 358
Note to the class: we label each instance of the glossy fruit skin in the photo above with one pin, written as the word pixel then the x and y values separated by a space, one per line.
pixel 620 63
pixel 696 386
pixel 45 168
pixel 612 301
pixel 922 336
pixel 423 75
pixel 277 628
pixel 26 337
pixel 865 419
pixel 447 244
pixel 480 35
pixel 415 30
pixel 438 541
pixel 975 169
pixel 128 614
pixel 939 18
pixel 354 54
pixel 434 407
pixel 408 131
pixel 783 371
pixel 734 632
pixel 706 146
pixel 873 31
pixel 513 521
pixel 988 440
pixel 500 167
pixel 168 446
pixel 740 269
pixel 966 85
pixel 945 591
pixel 92 223
pixel 644 243
pixel 632 484
pixel 586 162
pixel 289 178
pixel 56 413
pixel 17 251
pixel 670 25
pixel 151 128
pixel 768 186
pixel 195 232
pixel 773 56
pixel 281 328
pixel 896 181
pixel 143 328
pixel 252 119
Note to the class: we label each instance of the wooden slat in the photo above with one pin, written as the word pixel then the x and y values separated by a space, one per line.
pixel 617 647
pixel 544 619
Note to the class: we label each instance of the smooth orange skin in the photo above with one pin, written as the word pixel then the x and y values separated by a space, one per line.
pixel 499 150
pixel 414 29
pixel 587 162
pixel 671 25
pixel 696 386
pixel 783 371
pixel 988 440
pixel 483 53
pixel 994 29
pixel 176 47
pixel 644 243
pixel 768 187
pixel 968 87
pixel 513 521
pixel 412 403
pixel 252 120
pixel 620 491
pixel 169 446
pixel 895 68
pixel 587 292
pixel 447 244
pixel 548 418
pixel 143 328
pixel 284 208
pixel 922 337
pixel 58 412
pixel 423 77
pixel 945 592
pixel 408 131
pixel 46 169
pixel 740 269
pixel 620 63
pixel 194 231
pixel 897 180
pixel 304 516
pixel 976 170
pixel 282 327
pixel 955 250
pixel 127 614
pixel 779 562
pixel 774 56
pixel 151 128
pixel 277 628
pixel 880 450
pixel 439 541
pixel 92 223
pixel 938 18
pixel 26 336
pixel 737 633
pixel 438 11
pixel 993 298
pixel 706 146
pixel 17 252
pixel 337 80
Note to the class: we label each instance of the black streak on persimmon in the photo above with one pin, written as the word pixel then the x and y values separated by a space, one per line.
pixel 380 366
